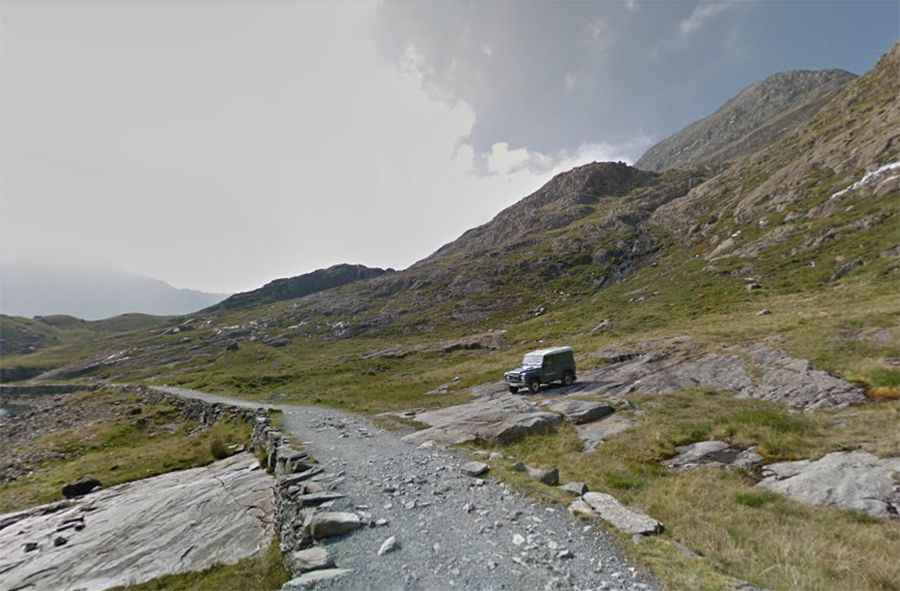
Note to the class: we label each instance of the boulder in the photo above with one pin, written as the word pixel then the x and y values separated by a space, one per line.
pixel 855 480
pixel 81 488
pixel 474 468
pixel 549 476
pixel 336 523
pixel 714 454
pixel 575 488
pixel 625 519
pixel 313 578
pixel 314 558
pixel 579 412
pixel 580 508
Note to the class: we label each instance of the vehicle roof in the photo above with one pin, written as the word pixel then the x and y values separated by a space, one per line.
pixel 550 351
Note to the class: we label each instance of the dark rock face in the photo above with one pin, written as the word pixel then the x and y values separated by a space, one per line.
pixel 757 116
pixel 81 488
pixel 299 286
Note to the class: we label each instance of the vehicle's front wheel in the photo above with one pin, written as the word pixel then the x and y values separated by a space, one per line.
pixel 568 379
pixel 534 386
pixel 513 390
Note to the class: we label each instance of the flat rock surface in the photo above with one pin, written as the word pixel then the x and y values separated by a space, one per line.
pixel 501 418
pixel 713 454
pixel 756 371
pixel 455 531
pixel 182 521
pixel 626 519
pixel 856 480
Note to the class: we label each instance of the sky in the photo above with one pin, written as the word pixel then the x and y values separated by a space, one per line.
pixel 219 145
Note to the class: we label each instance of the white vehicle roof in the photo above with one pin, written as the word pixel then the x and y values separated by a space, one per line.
pixel 550 351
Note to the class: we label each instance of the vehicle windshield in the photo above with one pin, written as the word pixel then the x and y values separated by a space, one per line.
pixel 533 361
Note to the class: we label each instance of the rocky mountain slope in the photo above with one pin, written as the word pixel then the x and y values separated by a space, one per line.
pixel 299 286
pixel 756 116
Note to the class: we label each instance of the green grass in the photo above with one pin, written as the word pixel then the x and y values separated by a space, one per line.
pixel 739 530
pixel 119 451
pixel 264 572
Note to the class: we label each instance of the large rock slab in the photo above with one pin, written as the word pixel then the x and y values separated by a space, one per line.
pixel 178 522
pixel 856 480
pixel 713 454
pixel 758 372
pixel 314 578
pixel 333 523
pixel 579 412
pixel 593 434
pixel 629 521
pixel 502 419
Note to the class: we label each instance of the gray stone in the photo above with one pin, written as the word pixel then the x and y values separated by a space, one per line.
pixel 593 434
pixel 333 523
pixel 578 412
pixel 474 468
pixel 576 488
pixel 317 498
pixel 580 508
pixel 389 545
pixel 314 558
pixel 549 476
pixel 313 578
pixel 627 520
pixel 713 454
pixel 188 520
pixel 80 488
pixel 499 418
pixel 856 481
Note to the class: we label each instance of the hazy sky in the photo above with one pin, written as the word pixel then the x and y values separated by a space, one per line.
pixel 218 145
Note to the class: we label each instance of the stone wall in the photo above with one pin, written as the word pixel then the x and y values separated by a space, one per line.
pixel 290 466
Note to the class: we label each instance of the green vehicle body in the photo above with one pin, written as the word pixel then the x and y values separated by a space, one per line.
pixel 543 366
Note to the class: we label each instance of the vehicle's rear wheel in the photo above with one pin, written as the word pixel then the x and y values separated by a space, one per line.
pixel 513 390
pixel 534 386
pixel 568 378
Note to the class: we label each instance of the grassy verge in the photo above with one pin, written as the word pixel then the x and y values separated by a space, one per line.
pixel 121 450
pixel 264 572
pixel 735 529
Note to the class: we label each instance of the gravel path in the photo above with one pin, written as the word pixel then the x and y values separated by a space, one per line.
pixel 454 531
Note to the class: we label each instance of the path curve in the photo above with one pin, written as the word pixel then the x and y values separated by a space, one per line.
pixel 453 532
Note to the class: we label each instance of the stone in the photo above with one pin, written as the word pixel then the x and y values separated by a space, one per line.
pixel 604 325
pixel 333 523
pixel 389 545
pixel 500 418
pixel 80 488
pixel 593 434
pixel 317 498
pixel 313 578
pixel 713 454
pixel 579 412
pixel 857 481
pixel 31 546
pixel 627 520
pixel 474 468
pixel 575 488
pixel 187 520
pixel 549 476
pixel 764 312
pixel 59 541
pixel 580 508
pixel 518 539
pixel 314 558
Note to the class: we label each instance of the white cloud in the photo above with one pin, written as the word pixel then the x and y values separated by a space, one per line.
pixel 702 13
pixel 570 81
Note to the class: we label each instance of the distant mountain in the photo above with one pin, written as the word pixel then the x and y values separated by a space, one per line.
pixel 757 116
pixel 32 290
pixel 302 285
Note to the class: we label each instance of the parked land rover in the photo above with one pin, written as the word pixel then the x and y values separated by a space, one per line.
pixel 543 367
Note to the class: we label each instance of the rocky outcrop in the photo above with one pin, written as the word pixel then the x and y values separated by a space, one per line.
pixel 503 419
pixel 757 371
pixel 714 454
pixel 757 116
pixel 857 481
pixel 178 522
pixel 625 519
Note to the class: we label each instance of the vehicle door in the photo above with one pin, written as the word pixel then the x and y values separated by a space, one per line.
pixel 551 368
